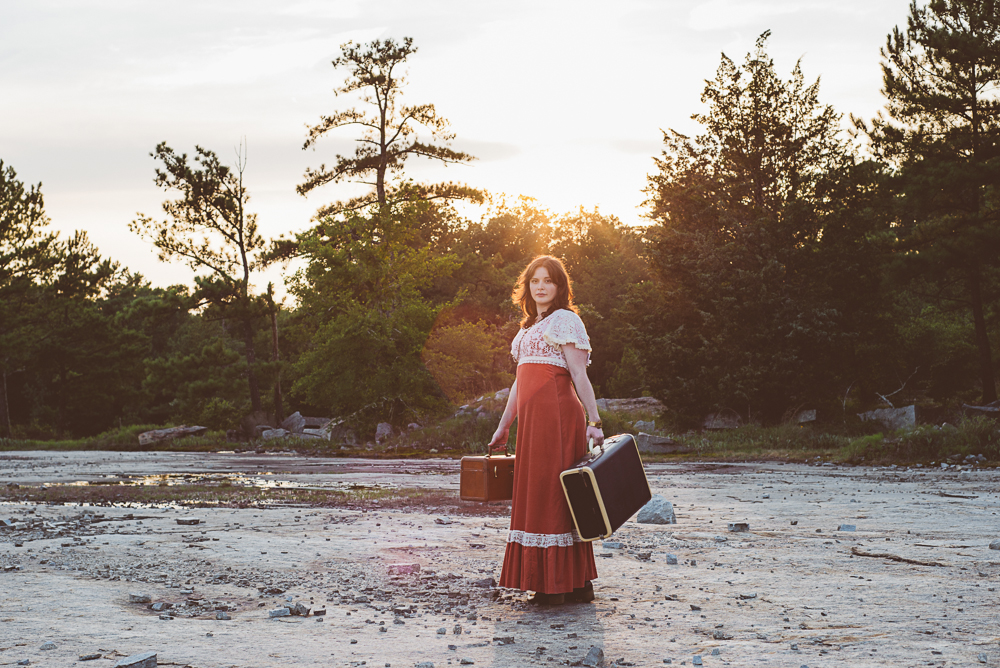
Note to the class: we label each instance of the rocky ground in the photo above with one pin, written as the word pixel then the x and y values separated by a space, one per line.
pixel 840 566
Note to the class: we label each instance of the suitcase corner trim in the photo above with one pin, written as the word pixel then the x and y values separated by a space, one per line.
pixel 587 471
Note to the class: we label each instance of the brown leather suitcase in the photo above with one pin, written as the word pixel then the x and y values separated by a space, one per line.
pixel 487 478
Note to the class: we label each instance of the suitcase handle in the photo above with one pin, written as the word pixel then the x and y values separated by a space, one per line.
pixel 590 445
pixel 506 450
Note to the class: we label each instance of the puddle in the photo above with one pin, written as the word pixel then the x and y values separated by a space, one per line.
pixel 263 480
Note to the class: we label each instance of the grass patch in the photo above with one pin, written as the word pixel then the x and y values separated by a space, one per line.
pixel 925 443
pixel 123 439
pixel 784 442
pixel 468 433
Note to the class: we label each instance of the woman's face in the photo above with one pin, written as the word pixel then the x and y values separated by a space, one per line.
pixel 543 289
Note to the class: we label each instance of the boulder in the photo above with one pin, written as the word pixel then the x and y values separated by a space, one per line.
pixel 383 431
pixel 275 433
pixel 294 423
pixel 659 445
pixel 502 394
pixel 157 435
pixel 657 511
pixel 892 418
pixel 413 426
pixel 316 433
pixel 990 410
pixel 722 420
pixel 338 431
pixel 648 426
pixel 806 416
pixel 631 404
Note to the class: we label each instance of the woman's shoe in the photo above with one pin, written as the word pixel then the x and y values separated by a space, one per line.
pixel 547 599
pixel 584 594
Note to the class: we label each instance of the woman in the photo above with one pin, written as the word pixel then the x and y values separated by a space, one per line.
pixel 544 553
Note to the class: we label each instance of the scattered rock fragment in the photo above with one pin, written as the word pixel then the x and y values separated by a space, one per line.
pixel 847 527
pixel 657 511
pixel 223 616
pixel 144 660
pixel 47 646
pixel 595 657
pixel 995 545
pixel 739 527
pixel 696 660
pixel 403 569
pixel 89 657
pixel 279 612
pixel 672 559
pixel 139 598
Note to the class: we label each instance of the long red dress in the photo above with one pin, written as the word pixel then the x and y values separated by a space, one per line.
pixel 544 553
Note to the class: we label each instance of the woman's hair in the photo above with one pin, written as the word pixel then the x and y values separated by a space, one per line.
pixel 522 291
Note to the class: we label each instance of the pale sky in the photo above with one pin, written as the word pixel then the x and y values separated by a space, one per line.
pixel 561 100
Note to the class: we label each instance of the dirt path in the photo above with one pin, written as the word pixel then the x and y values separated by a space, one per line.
pixel 783 594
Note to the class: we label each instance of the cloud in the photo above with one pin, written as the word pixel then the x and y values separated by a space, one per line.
pixel 722 14
pixel 253 59
pixel 487 151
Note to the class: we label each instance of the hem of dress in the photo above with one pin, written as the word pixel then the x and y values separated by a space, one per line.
pixel 552 570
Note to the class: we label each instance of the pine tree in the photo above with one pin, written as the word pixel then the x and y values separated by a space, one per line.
pixel 942 136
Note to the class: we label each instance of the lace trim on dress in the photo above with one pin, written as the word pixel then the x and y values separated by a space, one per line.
pixel 543 539
pixel 554 361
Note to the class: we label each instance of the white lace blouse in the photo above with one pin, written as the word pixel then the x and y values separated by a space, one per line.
pixel 542 342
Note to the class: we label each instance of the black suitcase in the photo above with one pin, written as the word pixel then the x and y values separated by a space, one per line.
pixel 606 487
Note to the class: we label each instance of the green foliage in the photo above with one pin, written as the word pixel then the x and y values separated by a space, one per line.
pixel 467 359
pixel 765 252
pixel 221 414
pixel 367 318
pixel 465 434
pixel 209 228
pixel 943 139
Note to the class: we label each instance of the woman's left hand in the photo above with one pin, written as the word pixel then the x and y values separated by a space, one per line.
pixel 597 434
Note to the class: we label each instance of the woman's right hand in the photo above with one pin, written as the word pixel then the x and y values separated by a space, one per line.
pixel 499 437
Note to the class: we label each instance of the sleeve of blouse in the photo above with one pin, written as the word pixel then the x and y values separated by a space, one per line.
pixel 513 344
pixel 566 327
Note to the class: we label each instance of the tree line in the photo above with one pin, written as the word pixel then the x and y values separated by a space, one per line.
pixel 786 263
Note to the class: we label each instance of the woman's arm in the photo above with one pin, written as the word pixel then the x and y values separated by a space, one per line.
pixel 509 413
pixel 576 360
